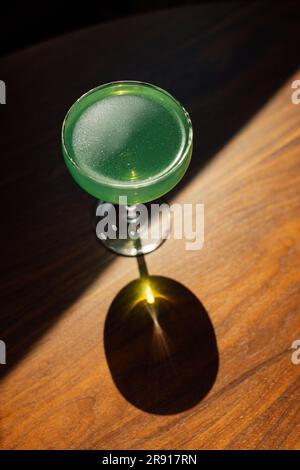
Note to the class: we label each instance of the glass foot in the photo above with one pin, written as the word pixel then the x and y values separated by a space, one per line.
pixel 133 230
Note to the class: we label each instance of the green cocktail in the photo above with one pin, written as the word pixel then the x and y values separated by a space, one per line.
pixel 127 138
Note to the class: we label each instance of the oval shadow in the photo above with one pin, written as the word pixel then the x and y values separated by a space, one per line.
pixel 160 346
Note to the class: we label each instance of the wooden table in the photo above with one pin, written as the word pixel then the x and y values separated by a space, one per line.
pixel 80 374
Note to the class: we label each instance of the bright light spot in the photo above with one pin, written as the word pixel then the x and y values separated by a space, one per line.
pixel 149 295
pixel 120 92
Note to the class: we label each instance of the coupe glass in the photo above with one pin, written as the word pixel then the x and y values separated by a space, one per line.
pixel 128 140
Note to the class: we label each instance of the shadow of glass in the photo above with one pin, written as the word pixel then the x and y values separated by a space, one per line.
pixel 160 346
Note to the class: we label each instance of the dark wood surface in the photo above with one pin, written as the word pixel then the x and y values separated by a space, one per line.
pixel 81 373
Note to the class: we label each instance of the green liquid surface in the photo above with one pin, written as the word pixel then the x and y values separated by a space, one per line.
pixel 127 139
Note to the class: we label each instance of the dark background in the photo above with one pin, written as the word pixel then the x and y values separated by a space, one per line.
pixel 25 23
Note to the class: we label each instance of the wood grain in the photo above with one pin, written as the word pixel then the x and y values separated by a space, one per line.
pixel 232 67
